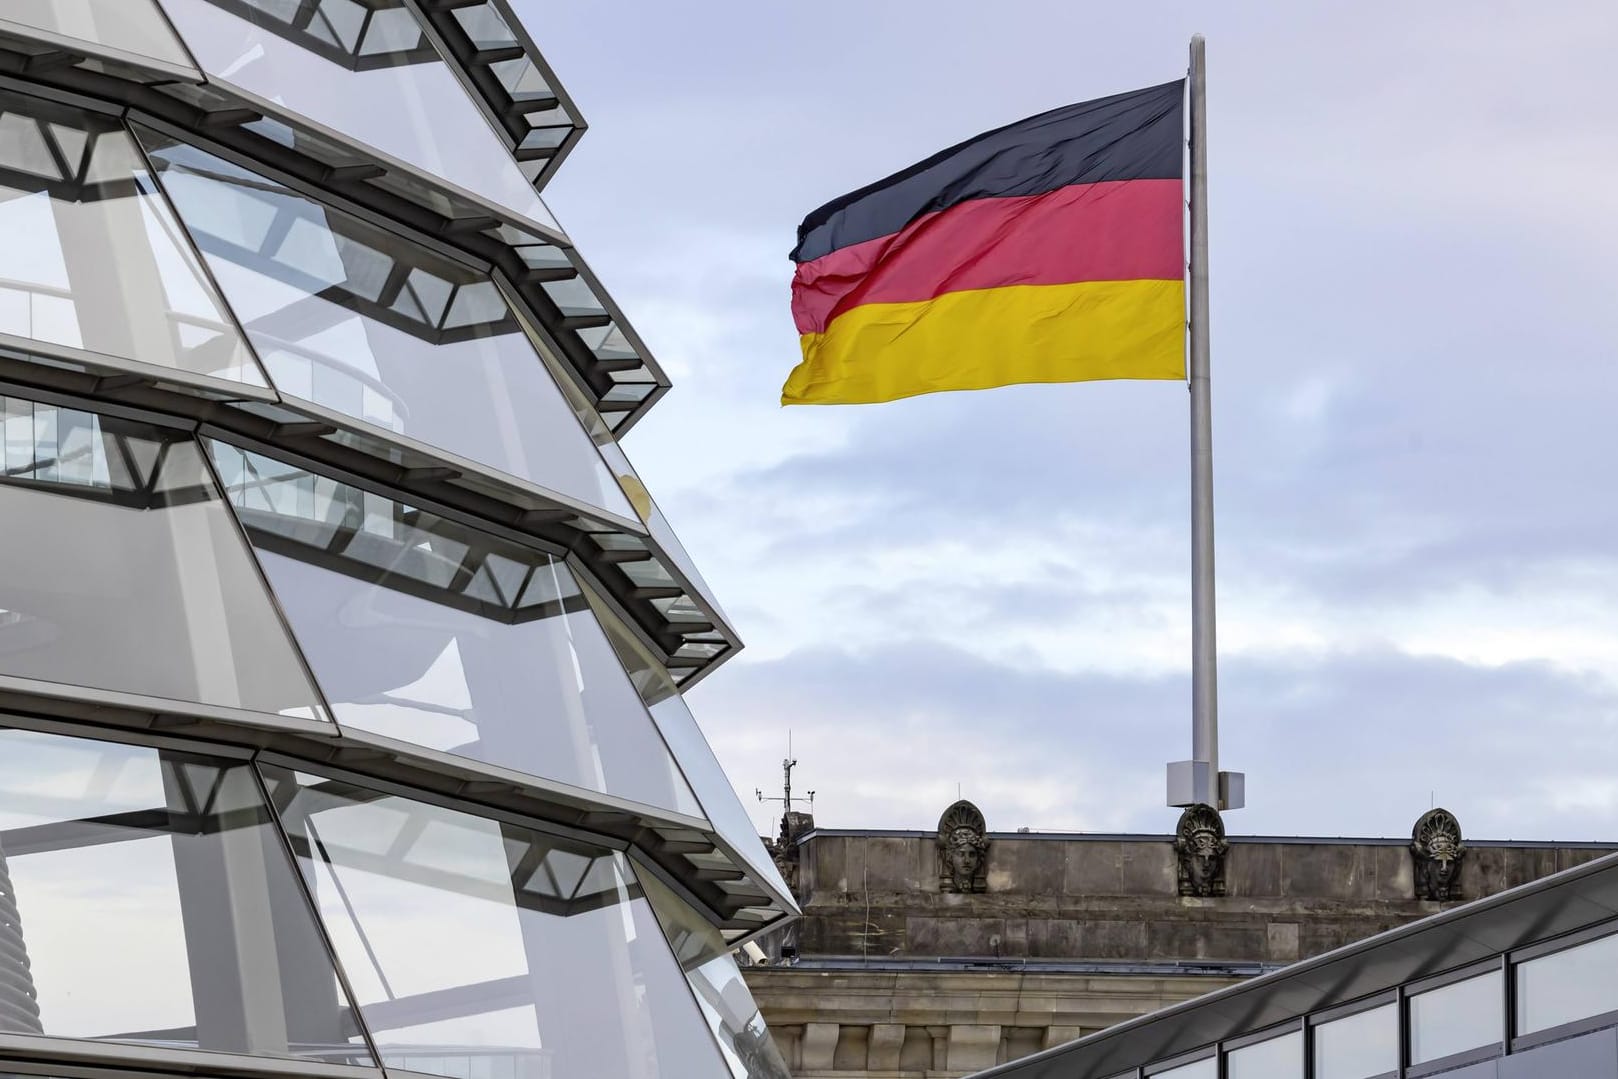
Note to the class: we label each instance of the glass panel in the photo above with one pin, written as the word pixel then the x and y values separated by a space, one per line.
pixel 123 26
pixel 544 959
pixel 618 462
pixel 1458 1017
pixel 1197 1069
pixel 403 102
pixel 720 991
pixel 1358 1046
pixel 155 903
pixel 1567 986
pixel 1278 1058
pixel 73 192
pixel 723 808
pixel 123 571
pixel 423 630
pixel 361 322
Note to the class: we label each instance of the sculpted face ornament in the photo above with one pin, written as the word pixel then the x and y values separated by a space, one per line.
pixel 1436 850
pixel 963 849
pixel 1199 848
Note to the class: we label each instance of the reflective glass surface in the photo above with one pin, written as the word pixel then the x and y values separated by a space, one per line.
pixel 1358 1046
pixel 696 759
pixel 542 122
pixel 368 75
pixel 155 903
pixel 1197 1069
pixel 361 322
pixel 123 570
pixel 1458 1017
pixel 477 948
pixel 125 27
pixel 427 631
pixel 73 187
pixel 717 982
pixel 640 498
pixel 1567 986
pixel 1278 1058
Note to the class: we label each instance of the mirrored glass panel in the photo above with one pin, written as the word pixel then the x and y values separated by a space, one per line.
pixel 1358 1046
pixel 122 28
pixel 73 189
pixel 717 982
pixel 366 72
pixel 123 570
pixel 1458 1017
pixel 361 322
pixel 1567 986
pixel 426 631
pixel 476 948
pixel 1198 1069
pixel 1278 1058
pixel 723 808
pixel 145 896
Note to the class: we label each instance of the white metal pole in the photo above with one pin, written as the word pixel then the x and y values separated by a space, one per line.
pixel 1204 651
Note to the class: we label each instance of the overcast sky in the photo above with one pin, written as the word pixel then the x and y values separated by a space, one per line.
pixel 1414 232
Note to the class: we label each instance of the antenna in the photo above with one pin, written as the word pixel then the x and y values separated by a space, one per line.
pixel 785 798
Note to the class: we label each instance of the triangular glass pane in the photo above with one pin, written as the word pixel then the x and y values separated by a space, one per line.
pixel 476 390
pixel 444 660
pixel 121 28
pixel 523 982
pixel 696 759
pixel 716 981
pixel 155 903
pixel 141 589
pixel 98 262
pixel 391 30
pixel 23 147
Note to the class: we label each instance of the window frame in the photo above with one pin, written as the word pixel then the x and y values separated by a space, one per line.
pixel 1565 942
pixel 1381 999
pixel 1490 1051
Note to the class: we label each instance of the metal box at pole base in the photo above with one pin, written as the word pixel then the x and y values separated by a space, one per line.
pixel 1194 783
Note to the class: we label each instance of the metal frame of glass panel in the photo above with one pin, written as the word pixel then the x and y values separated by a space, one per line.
pixel 658 594
pixel 1492 940
pixel 517 87
pixel 601 348
pixel 558 892
pixel 160 589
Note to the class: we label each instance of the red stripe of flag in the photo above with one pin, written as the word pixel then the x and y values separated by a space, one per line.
pixel 1120 230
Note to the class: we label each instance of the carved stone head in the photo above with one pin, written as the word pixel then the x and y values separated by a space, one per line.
pixel 963 849
pixel 1436 850
pixel 1199 847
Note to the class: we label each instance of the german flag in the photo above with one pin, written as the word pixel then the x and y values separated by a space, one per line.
pixel 1049 250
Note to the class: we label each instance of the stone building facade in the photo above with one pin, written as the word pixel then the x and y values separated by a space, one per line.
pixel 893 973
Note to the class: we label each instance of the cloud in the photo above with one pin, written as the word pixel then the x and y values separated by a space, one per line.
pixel 1413 370
pixel 1351 743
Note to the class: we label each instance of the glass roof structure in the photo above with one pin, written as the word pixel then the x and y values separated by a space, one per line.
pixel 444 116
pixel 342 647
pixel 1519 984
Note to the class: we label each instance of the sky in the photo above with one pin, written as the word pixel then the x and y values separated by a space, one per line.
pixel 1412 227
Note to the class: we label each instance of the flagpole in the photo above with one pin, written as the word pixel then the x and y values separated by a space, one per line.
pixel 1199 780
